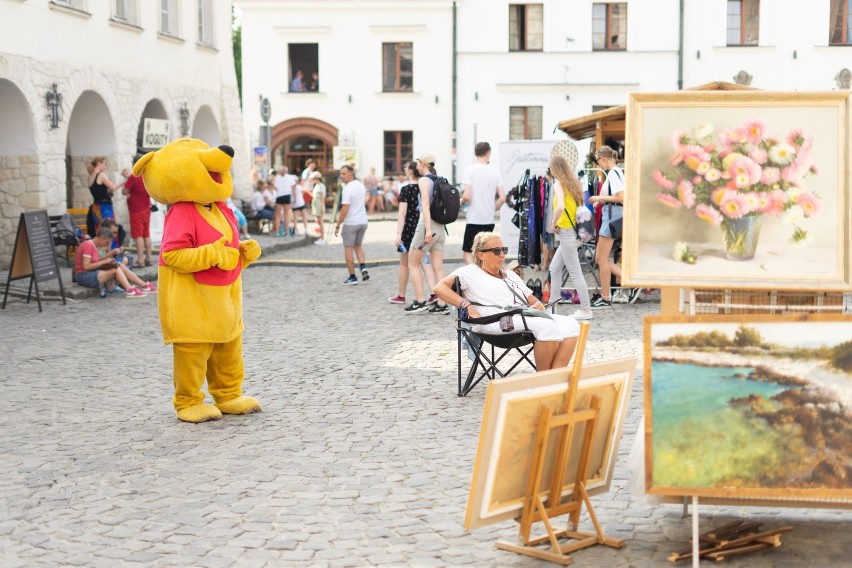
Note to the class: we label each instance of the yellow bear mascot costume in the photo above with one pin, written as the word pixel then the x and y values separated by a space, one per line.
pixel 200 288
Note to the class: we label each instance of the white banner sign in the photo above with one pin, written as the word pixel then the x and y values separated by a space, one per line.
pixel 155 133
pixel 515 159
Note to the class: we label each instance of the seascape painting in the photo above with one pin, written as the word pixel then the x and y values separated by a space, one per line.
pixel 749 406
pixel 728 187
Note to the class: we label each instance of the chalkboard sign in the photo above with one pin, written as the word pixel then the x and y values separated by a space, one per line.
pixel 34 256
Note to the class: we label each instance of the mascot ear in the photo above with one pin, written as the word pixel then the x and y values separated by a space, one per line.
pixel 140 164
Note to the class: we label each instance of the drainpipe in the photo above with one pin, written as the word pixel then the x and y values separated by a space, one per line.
pixel 680 51
pixel 455 94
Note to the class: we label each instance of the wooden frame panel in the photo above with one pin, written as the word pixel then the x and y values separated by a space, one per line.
pixel 748 421
pixel 512 408
pixel 681 141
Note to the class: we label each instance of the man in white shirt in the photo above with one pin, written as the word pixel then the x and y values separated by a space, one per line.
pixel 353 219
pixel 483 190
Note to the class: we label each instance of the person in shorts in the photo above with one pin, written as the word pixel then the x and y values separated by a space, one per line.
pixel 93 271
pixel 483 191
pixel 429 236
pixel 353 219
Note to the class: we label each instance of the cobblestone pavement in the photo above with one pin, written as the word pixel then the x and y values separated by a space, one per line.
pixel 362 455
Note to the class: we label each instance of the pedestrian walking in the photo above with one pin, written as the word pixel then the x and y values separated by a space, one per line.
pixel 429 236
pixel 567 201
pixel 483 191
pixel 352 218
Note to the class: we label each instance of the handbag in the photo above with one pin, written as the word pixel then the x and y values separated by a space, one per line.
pixel 615 228
pixel 586 230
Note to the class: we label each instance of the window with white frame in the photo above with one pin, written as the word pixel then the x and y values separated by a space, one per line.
pixel 205 22
pixel 169 17
pixel 743 20
pixel 840 24
pixel 76 4
pixel 525 123
pixel 526 27
pixel 609 27
pixel 124 11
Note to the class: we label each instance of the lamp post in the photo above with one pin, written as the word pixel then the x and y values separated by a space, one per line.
pixel 184 120
pixel 54 107
pixel 265 115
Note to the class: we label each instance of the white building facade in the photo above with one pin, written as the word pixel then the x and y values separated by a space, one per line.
pixel 779 45
pixel 78 78
pixel 382 84
pixel 386 72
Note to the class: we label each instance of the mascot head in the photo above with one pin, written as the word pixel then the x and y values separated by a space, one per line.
pixel 187 170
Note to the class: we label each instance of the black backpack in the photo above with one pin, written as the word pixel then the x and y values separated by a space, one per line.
pixel 445 202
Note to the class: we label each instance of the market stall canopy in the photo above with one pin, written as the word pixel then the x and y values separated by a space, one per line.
pixel 610 122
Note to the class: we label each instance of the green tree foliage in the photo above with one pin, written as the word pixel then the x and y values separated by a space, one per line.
pixel 713 339
pixel 747 337
pixel 841 357
pixel 237 43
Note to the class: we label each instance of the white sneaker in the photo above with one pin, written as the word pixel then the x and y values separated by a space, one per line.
pixel 582 314
pixel 619 296
pixel 319 242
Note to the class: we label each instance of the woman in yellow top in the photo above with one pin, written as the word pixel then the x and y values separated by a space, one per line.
pixel 567 196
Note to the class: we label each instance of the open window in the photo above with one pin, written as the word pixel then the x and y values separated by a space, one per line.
pixel 840 24
pixel 743 22
pixel 397 67
pixel 609 27
pixel 526 27
pixel 304 67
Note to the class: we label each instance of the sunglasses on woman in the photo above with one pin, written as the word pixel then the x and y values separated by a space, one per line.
pixel 497 251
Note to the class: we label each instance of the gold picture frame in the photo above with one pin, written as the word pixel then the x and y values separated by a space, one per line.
pixel 510 419
pixel 738 189
pixel 752 407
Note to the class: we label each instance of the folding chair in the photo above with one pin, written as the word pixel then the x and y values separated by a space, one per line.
pixel 486 361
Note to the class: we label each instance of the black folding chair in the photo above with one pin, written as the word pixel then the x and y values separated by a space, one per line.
pixel 488 350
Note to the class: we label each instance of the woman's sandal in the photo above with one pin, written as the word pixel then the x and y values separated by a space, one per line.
pixel 138 265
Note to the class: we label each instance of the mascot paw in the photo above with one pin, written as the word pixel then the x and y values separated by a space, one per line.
pixel 250 250
pixel 239 405
pixel 199 413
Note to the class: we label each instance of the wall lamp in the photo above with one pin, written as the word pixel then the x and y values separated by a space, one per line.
pixel 54 107
pixel 184 120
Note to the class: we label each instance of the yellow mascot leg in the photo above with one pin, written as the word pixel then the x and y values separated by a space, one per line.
pixel 225 379
pixel 190 367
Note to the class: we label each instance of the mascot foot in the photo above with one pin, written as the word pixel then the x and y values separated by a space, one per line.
pixel 239 405
pixel 199 413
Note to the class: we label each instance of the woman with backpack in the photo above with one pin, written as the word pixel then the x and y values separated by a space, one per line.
pixel 429 236
pixel 567 202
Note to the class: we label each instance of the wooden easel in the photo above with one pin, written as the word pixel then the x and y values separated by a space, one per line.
pixel 535 509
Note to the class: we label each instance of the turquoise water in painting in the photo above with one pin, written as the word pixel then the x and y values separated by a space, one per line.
pixel 686 391
pixel 700 440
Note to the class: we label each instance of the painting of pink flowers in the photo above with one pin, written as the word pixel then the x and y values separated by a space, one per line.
pixel 754 185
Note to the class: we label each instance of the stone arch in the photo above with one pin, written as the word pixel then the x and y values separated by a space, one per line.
pixel 154 108
pixel 17 137
pixel 205 127
pixel 91 132
pixel 19 158
pixel 322 134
